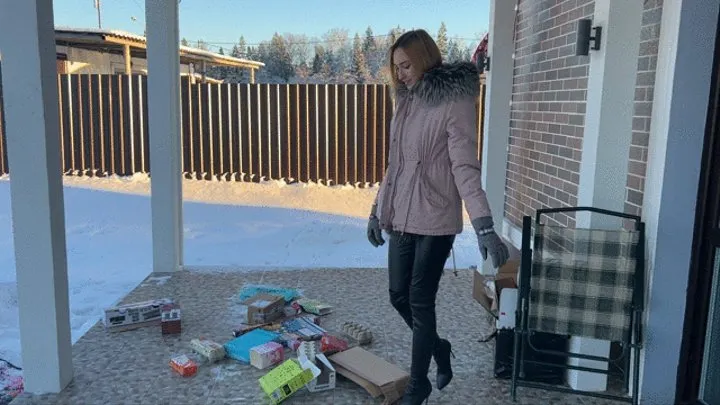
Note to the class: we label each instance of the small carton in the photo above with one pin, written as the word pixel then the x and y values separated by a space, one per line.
pixel 314 306
pixel 304 327
pixel 134 315
pixel 286 379
pixel 239 348
pixel 209 350
pixel 262 308
pixel 170 322
pixel 326 380
pixel 266 355
pixel 183 365
pixel 332 344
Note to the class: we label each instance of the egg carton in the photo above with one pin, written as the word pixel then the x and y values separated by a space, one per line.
pixel 358 332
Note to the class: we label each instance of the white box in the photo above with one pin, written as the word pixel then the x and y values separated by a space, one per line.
pixel 135 315
pixel 506 311
pixel 325 379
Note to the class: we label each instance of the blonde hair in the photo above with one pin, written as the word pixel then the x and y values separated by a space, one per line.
pixel 420 48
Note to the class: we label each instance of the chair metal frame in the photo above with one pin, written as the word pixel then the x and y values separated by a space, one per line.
pixel 632 344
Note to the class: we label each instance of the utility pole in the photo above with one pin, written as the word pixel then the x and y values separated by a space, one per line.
pixel 96 4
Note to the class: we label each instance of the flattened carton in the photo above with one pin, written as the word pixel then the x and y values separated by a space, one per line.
pixel 286 379
pixel 135 315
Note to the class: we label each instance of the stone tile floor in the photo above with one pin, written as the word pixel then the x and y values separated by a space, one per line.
pixel 132 367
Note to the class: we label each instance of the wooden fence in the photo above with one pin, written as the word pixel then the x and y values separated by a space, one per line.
pixel 329 133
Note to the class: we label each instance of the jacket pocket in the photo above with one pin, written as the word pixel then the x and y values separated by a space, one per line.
pixel 434 186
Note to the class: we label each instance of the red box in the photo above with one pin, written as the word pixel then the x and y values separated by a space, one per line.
pixel 183 366
pixel 332 344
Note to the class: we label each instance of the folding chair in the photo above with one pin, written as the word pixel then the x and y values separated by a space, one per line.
pixel 583 283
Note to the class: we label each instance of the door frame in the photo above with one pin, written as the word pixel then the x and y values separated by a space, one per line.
pixel 706 240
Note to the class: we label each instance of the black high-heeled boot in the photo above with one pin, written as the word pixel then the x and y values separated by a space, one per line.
pixel 443 350
pixel 417 392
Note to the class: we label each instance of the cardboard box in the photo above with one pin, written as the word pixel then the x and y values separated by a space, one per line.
pixel 304 327
pixel 239 348
pixel 135 315
pixel 307 352
pixel 266 355
pixel 262 308
pixel 487 289
pixel 371 372
pixel 171 322
pixel 314 306
pixel 209 350
pixel 183 365
pixel 286 379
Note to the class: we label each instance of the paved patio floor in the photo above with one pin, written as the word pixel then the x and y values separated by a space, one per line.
pixel 132 367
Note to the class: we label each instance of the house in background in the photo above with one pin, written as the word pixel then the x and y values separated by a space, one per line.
pixel 97 51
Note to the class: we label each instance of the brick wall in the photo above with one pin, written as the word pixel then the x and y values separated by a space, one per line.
pixel 644 92
pixel 548 109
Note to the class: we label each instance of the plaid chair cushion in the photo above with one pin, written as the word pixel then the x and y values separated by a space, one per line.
pixel 581 282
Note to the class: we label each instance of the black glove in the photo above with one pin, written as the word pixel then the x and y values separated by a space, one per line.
pixel 490 242
pixel 374 233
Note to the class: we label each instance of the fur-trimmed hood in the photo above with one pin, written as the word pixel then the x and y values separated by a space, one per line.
pixel 447 82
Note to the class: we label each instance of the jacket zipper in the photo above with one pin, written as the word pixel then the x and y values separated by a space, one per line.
pixel 400 167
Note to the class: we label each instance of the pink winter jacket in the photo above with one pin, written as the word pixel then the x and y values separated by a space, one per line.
pixel 432 163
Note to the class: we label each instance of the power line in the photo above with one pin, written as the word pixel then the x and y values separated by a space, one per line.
pixel 310 42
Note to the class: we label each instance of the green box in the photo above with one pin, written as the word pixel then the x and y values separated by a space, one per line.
pixel 285 379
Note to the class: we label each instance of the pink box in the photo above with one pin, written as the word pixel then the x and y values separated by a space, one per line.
pixel 267 355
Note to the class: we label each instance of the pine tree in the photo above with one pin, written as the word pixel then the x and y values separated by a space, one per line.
pixel 359 65
pixel 373 55
pixel 394 35
pixel 221 51
pixel 184 42
pixel 242 46
pixel 442 40
pixel 280 61
pixel 369 46
pixel 454 53
pixel 317 65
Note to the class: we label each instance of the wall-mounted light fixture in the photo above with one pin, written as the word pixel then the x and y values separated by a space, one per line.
pixel 584 31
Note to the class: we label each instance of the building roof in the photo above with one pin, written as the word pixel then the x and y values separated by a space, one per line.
pixel 114 41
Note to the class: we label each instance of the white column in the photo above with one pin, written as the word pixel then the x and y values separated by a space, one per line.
pixel 682 91
pixel 27 43
pixel 497 110
pixel 606 144
pixel 164 130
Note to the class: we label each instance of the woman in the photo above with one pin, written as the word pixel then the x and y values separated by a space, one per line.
pixel 432 168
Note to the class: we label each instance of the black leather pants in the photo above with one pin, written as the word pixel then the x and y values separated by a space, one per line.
pixel 415 265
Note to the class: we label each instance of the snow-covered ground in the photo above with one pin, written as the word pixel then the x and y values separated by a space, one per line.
pixel 243 226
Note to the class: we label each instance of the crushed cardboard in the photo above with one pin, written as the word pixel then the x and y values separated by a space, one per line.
pixel 376 375
pixel 487 289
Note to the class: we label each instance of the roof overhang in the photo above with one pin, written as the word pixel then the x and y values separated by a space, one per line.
pixel 115 42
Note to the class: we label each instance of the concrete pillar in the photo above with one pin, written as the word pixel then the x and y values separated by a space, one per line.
pixel 33 141
pixel 497 111
pixel 606 144
pixel 682 92
pixel 164 131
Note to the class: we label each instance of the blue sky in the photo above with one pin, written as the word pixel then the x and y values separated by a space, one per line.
pixel 223 21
